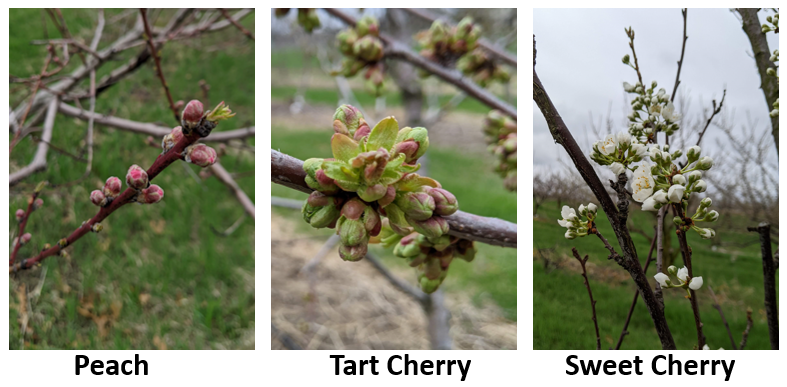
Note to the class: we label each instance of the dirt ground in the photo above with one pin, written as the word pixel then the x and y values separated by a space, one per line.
pixel 457 130
pixel 351 306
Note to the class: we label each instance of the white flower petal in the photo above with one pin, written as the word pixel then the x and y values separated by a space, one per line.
pixel 683 274
pixel 661 278
pixel 695 283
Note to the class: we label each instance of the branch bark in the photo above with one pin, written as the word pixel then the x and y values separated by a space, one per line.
pixel 397 50
pixel 769 281
pixel 625 331
pixel 723 319
pixel 759 45
pixel 582 262
pixel 288 171
pixel 225 177
pixel 631 263
pixel 39 160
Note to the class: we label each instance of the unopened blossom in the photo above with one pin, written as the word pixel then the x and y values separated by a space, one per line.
pixel 97 197
pixel 662 279
pixel 679 179
pixel 639 149
pixel 112 187
pixel 629 88
pixel 592 207
pixel 152 194
pixel 705 347
pixel 191 116
pixel 201 154
pixel 675 193
pixel 705 163
pixel 700 186
pixel 706 233
pixel 38 203
pixel 25 238
pixel 683 274
pixel 660 196
pixel 20 214
pixel 642 183
pixel 649 204
pixel 136 177
pixel 696 283
pixel 617 168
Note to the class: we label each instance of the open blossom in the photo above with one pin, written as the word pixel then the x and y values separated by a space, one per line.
pixel 649 204
pixel 662 279
pixel 668 112
pixel 675 193
pixel 642 183
pixel 569 214
pixel 695 283
pixel 609 145
pixel 683 274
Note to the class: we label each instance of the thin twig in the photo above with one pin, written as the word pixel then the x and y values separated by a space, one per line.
pixel 236 24
pixel 89 135
pixel 590 293
pixel 157 60
pixel 686 253
pixel 716 110
pixel 32 100
pixel 23 222
pixel 684 11
pixel 723 319
pixel 625 331
pixel 218 170
pixel 749 324
pixel 39 160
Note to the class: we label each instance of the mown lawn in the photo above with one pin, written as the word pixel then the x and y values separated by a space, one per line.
pixel 157 275
pixel 561 309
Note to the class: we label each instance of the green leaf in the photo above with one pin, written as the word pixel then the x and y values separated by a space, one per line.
pixel 383 134
pixel 344 148
pixel 396 162
pixel 390 176
pixel 337 170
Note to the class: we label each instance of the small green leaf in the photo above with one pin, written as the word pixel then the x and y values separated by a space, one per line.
pixel 383 134
pixel 390 176
pixel 343 147
pixel 337 170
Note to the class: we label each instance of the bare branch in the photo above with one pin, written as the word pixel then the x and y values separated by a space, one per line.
pixel 236 24
pixel 749 323
pixel 769 281
pixel 39 160
pixel 157 60
pixel 721 313
pixel 590 293
pixel 625 331
pixel 224 176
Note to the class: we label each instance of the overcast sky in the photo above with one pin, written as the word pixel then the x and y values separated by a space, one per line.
pixel 579 63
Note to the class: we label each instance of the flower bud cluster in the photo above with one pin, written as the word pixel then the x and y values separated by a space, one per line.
pixel 444 44
pixel 110 191
pixel 372 175
pixel 482 69
pixel 432 256
pixel 618 151
pixel 501 136
pixel 652 112
pixel 363 49
pixel 36 204
pixel 193 118
pixel 307 17
pixel 772 24
pixel 684 281
pixel 137 179
pixel 578 224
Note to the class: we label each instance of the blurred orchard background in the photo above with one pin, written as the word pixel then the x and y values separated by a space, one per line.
pixel 343 305
pixel 178 274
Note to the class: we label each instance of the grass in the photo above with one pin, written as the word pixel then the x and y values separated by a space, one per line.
pixel 492 275
pixel 157 275
pixel 561 309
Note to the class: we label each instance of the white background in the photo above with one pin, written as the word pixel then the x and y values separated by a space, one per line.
pixel 264 367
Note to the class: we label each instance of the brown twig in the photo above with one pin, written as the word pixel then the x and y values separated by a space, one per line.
pixel 148 128
pixel 630 33
pixel 89 135
pixel 236 24
pixel 769 282
pixel 218 170
pixel 288 171
pixel 30 104
pixel 686 253
pixel 157 60
pixel 590 293
pixel 749 324
pixel 715 110
pixel 659 292
pixel 23 222
pixel 162 162
pixel 723 319
pixel 39 160
pixel 625 331
pixel 630 262
pixel 396 50
pixel 684 11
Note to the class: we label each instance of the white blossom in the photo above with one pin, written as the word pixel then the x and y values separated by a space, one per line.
pixel 700 186
pixel 706 233
pixel 706 347
pixel 628 87
pixel 669 113
pixel 638 149
pixel 642 183
pixel 683 274
pixel 693 152
pixel 609 145
pixel 679 179
pixel 675 193
pixel 592 207
pixel 662 279
pixel 624 138
pixel 617 168
pixel 649 204
pixel 660 196
pixel 696 283
pixel 705 163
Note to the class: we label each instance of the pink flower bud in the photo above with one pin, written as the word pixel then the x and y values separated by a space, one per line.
pixel 318 199
pixel 112 187
pixel 445 202
pixel 433 227
pixel 25 238
pixel 353 209
pixel 20 214
pixel 150 195
pixel 389 197
pixel 192 115
pixel 201 154
pixel 136 177
pixel 38 203
pixel 177 134
pixel 98 198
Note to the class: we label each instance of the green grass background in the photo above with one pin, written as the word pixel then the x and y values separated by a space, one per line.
pixel 175 281
pixel 561 308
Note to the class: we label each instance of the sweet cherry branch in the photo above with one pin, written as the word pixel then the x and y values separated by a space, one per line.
pixel 178 145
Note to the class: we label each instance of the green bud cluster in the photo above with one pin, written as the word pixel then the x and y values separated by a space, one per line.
pixel 307 17
pixel 431 256
pixel 772 24
pixel 458 46
pixel 371 176
pixel 500 134
pixel 363 49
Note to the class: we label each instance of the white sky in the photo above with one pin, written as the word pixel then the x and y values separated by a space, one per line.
pixel 579 63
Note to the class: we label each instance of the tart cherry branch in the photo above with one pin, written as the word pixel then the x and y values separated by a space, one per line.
pixel 180 144
pixel 288 171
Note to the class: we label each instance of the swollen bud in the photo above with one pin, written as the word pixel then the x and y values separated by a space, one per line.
pixel 433 227
pixel 353 253
pixel 672 270
pixel 367 25
pixel 346 120
pixel 150 195
pixel 25 238
pixel 416 205
pixel 413 142
pixel 191 116
pixel 112 187
pixel 98 198
pixel 20 214
pixel 445 202
pixel 201 155
pixel 136 177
